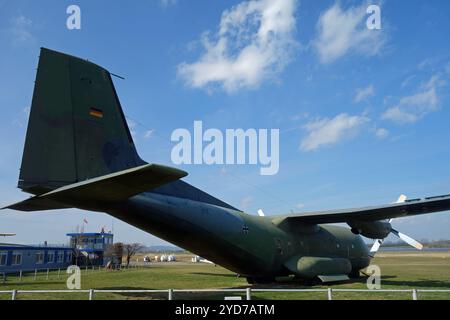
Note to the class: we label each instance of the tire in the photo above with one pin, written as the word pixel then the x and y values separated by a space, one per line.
pixel 260 280
pixel 355 274
pixel 311 282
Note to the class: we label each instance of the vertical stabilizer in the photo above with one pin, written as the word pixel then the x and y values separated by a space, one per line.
pixel 77 129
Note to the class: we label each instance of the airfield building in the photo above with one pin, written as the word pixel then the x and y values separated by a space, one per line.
pixel 84 249
pixel 92 248
pixel 15 257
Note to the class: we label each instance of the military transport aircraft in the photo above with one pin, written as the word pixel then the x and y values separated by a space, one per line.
pixel 79 153
pixel 7 234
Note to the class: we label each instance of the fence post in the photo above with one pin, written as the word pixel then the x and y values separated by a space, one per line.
pixel 4 277
pixel 170 294
pixel 91 294
pixel 330 294
pixel 414 294
pixel 14 295
pixel 249 294
pixel 20 276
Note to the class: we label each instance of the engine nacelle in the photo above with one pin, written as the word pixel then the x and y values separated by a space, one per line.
pixel 372 229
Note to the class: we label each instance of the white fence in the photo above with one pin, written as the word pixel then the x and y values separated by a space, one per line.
pixel 45 271
pixel 248 292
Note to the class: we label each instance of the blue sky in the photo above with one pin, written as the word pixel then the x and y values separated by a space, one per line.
pixel 363 114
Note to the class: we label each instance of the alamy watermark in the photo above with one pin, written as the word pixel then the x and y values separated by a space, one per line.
pixel 235 146
pixel 373 22
pixel 74 280
pixel 374 280
pixel 73 22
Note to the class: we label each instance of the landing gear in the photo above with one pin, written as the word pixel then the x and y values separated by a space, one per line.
pixel 260 280
pixel 311 282
pixel 355 274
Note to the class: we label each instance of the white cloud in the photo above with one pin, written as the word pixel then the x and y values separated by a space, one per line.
pixel 447 68
pixel 434 82
pixel 426 64
pixel 381 133
pixel 132 127
pixel 344 31
pixel 149 134
pixel 167 3
pixel 414 107
pixel 23 117
pixel 407 81
pixel 326 131
pixel 21 30
pixel 363 94
pixel 246 202
pixel 255 42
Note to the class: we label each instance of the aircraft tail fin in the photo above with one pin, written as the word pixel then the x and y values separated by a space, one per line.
pixel 77 130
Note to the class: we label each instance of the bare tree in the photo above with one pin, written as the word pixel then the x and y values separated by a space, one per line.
pixel 117 251
pixel 130 250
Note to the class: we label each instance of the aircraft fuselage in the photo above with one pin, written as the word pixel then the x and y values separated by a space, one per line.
pixel 251 246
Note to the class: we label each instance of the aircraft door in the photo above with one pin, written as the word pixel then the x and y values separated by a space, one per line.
pixel 280 251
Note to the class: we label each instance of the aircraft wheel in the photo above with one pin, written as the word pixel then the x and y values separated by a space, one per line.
pixel 355 274
pixel 260 280
pixel 311 282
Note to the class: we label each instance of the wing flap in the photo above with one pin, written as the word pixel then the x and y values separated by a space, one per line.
pixel 114 187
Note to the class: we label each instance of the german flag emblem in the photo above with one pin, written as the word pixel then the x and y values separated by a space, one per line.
pixel 97 113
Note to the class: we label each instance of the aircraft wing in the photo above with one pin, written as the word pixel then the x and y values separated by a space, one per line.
pixel 111 188
pixel 397 210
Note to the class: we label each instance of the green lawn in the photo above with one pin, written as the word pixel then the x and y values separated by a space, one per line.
pixel 399 271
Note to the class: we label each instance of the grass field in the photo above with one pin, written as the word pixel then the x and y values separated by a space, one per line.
pixel 399 271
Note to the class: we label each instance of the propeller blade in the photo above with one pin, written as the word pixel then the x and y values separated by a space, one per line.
pixel 261 213
pixel 402 199
pixel 408 240
pixel 376 246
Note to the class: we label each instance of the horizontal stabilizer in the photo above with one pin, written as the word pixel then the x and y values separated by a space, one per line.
pixel 111 188
pixel 37 204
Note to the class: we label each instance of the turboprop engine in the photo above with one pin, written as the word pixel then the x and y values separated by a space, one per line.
pixel 372 229
pixel 381 229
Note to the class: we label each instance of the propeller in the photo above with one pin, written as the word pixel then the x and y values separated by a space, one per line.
pixel 402 199
pixel 376 246
pixel 408 240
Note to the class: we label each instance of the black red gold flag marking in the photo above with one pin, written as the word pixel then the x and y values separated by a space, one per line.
pixel 96 113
